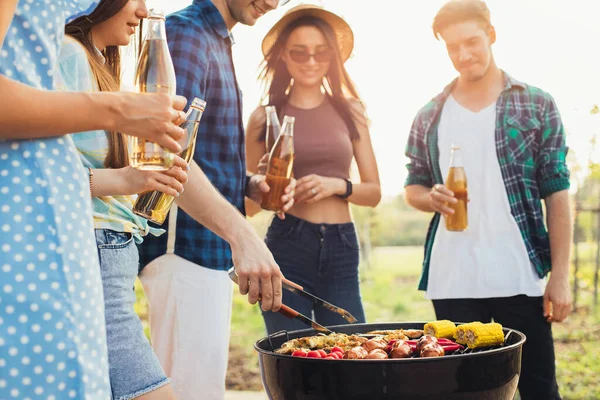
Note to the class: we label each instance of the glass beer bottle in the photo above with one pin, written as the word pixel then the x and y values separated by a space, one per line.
pixel 279 168
pixel 457 183
pixel 273 127
pixel 154 74
pixel 154 206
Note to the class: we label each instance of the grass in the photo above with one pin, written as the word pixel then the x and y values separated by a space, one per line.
pixel 389 294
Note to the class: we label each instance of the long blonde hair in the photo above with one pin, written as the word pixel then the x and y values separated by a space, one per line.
pixel 107 74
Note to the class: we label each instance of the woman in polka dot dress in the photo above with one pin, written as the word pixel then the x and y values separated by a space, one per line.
pixel 52 334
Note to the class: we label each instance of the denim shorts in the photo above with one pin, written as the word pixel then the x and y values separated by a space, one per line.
pixel 133 366
pixel 322 258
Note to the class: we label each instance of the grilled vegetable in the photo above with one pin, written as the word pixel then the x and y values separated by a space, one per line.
pixel 299 353
pixel 459 334
pixel 313 354
pixel 484 335
pixel 440 329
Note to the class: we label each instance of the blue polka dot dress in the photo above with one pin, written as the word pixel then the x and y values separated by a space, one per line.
pixel 52 334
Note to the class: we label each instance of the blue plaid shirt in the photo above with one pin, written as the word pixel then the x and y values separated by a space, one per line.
pixel 200 46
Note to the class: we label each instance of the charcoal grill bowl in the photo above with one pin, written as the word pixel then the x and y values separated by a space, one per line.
pixel 487 375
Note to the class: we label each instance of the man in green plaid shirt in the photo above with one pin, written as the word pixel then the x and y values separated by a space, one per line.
pixel 513 149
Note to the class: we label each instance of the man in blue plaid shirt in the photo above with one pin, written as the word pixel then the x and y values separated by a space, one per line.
pixel 512 144
pixel 185 275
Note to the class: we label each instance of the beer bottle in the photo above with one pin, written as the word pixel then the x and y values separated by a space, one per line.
pixel 154 74
pixel 279 168
pixel 154 206
pixel 457 183
pixel 273 127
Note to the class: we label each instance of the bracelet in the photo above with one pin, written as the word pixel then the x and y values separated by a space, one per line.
pixel 90 174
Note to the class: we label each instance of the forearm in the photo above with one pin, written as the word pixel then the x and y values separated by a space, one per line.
pixel 560 231
pixel 32 113
pixel 7 11
pixel 109 182
pixel 366 194
pixel 208 207
pixel 418 197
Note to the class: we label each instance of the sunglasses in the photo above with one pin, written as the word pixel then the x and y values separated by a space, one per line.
pixel 302 56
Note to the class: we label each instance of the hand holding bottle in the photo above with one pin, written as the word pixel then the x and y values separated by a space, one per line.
pixel 154 205
pixel 279 168
pixel 439 198
pixel 456 182
pixel 151 116
pixel 155 73
pixel 169 182
pixel 258 187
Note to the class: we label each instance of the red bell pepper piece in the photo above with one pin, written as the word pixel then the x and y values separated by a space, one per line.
pixel 313 354
pixel 452 347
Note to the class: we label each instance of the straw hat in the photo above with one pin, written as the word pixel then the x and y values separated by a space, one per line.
pixel 343 32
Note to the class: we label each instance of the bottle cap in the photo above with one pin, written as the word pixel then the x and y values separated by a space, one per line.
pixel 156 13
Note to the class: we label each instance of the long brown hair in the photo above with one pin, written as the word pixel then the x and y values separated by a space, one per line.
pixel 339 88
pixel 108 75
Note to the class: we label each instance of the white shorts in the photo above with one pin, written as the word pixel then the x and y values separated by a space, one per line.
pixel 190 319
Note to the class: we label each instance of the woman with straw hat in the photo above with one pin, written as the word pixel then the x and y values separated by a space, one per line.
pixel 316 244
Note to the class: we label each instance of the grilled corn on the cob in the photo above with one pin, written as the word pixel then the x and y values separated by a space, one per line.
pixel 440 329
pixel 459 334
pixel 484 335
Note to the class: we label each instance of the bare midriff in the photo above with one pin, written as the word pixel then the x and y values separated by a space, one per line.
pixel 331 210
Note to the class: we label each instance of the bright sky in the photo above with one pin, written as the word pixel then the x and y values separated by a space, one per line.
pixel 398 65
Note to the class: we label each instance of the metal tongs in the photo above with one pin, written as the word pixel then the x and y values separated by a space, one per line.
pixel 291 313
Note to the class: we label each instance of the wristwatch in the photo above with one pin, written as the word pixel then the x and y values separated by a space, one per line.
pixel 348 190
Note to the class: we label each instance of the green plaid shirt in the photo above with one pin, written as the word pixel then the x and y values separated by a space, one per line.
pixel 531 151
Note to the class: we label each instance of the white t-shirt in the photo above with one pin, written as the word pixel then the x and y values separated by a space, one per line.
pixel 489 259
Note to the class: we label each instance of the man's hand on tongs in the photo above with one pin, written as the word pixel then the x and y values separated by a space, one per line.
pixel 258 273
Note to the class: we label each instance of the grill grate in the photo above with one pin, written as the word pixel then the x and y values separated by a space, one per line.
pixel 276 334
